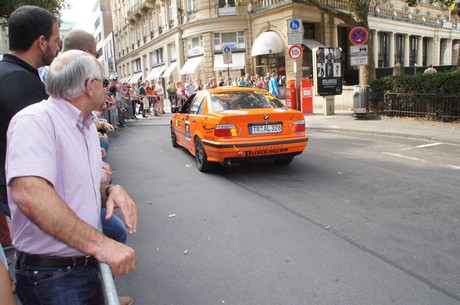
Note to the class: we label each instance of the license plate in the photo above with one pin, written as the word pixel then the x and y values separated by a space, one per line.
pixel 261 129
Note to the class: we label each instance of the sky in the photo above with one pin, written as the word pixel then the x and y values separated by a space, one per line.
pixel 79 12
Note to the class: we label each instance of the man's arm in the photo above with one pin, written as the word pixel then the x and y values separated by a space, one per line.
pixel 30 194
pixel 114 196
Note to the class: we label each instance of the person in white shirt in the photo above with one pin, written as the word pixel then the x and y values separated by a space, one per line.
pixel 161 96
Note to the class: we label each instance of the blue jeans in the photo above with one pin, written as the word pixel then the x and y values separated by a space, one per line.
pixel 114 228
pixel 57 286
pixel 105 144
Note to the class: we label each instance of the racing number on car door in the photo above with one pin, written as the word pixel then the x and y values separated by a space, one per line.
pixel 191 120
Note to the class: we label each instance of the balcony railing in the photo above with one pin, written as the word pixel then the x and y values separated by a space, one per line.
pixel 374 10
pixel 227 10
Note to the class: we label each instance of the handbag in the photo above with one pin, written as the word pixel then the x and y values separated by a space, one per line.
pixel 145 101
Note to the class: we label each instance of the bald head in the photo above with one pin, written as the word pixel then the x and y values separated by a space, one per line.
pixel 79 40
pixel 68 74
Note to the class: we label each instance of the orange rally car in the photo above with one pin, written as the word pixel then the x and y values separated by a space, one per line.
pixel 227 125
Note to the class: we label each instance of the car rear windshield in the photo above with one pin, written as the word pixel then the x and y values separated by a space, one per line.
pixel 243 100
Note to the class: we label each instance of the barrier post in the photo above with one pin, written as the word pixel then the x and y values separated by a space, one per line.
pixel 107 283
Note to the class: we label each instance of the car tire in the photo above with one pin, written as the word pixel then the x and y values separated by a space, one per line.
pixel 173 138
pixel 284 160
pixel 201 158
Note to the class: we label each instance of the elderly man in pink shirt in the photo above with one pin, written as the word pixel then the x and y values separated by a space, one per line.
pixel 56 189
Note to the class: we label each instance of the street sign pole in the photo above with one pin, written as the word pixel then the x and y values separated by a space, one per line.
pixel 359 36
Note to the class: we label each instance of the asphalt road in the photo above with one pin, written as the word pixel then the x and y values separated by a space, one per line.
pixel 355 219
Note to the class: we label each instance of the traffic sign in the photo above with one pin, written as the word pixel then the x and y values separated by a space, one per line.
pixel 227 53
pixel 294 26
pixel 359 55
pixel 295 52
pixel 358 35
pixel 295 31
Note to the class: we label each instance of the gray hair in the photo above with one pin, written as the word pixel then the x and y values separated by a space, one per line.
pixel 67 76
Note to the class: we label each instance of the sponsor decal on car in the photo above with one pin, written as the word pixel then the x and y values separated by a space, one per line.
pixel 265 152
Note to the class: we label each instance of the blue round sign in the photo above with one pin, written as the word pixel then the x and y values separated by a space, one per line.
pixel 227 50
pixel 358 35
pixel 294 25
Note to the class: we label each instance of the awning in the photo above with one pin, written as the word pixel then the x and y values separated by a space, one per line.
pixel 121 81
pixel 151 74
pixel 267 43
pixel 238 61
pixel 135 78
pixel 311 44
pixel 158 73
pixel 190 65
pixel 128 78
pixel 170 69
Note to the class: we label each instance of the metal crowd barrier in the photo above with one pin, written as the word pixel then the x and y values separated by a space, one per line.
pixel 108 285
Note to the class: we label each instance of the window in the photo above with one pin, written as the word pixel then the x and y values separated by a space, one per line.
pixel 158 57
pixel 235 39
pixel 413 50
pixel 172 13
pixel 308 30
pixel 152 21
pixel 172 52
pixel 226 7
pixel 191 9
pixel 399 50
pixel 197 102
pixel 383 61
pixel 161 17
pixel 195 45
pixel 137 64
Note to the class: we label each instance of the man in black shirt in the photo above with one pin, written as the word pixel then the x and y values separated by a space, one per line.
pixel 34 42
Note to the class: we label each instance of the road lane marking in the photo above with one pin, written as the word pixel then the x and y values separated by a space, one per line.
pixel 428 145
pixel 421 146
pixel 455 167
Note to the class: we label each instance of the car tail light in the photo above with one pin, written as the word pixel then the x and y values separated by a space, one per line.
pixel 298 125
pixel 225 130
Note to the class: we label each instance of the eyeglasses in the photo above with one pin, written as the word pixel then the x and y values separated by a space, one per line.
pixel 95 54
pixel 86 80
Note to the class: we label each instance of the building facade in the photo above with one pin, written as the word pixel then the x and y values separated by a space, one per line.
pixel 180 39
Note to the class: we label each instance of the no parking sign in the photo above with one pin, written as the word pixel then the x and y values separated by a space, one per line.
pixel 358 35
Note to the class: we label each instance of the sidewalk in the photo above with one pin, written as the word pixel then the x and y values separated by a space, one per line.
pixel 403 127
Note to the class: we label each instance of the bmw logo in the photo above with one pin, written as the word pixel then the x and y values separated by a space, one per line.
pixel 266 117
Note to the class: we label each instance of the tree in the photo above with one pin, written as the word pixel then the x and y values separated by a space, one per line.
pixel 8 6
pixel 358 16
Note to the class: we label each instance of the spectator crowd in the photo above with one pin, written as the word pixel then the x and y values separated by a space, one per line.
pixel 65 85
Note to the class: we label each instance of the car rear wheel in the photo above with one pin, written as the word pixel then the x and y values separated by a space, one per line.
pixel 284 160
pixel 173 138
pixel 201 158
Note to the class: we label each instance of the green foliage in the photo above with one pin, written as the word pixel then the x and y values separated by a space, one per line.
pixel 8 6
pixel 441 82
pixel 445 2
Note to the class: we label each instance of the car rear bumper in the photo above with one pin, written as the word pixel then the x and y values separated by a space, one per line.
pixel 219 152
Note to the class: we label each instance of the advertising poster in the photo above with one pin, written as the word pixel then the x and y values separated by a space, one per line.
pixel 328 72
